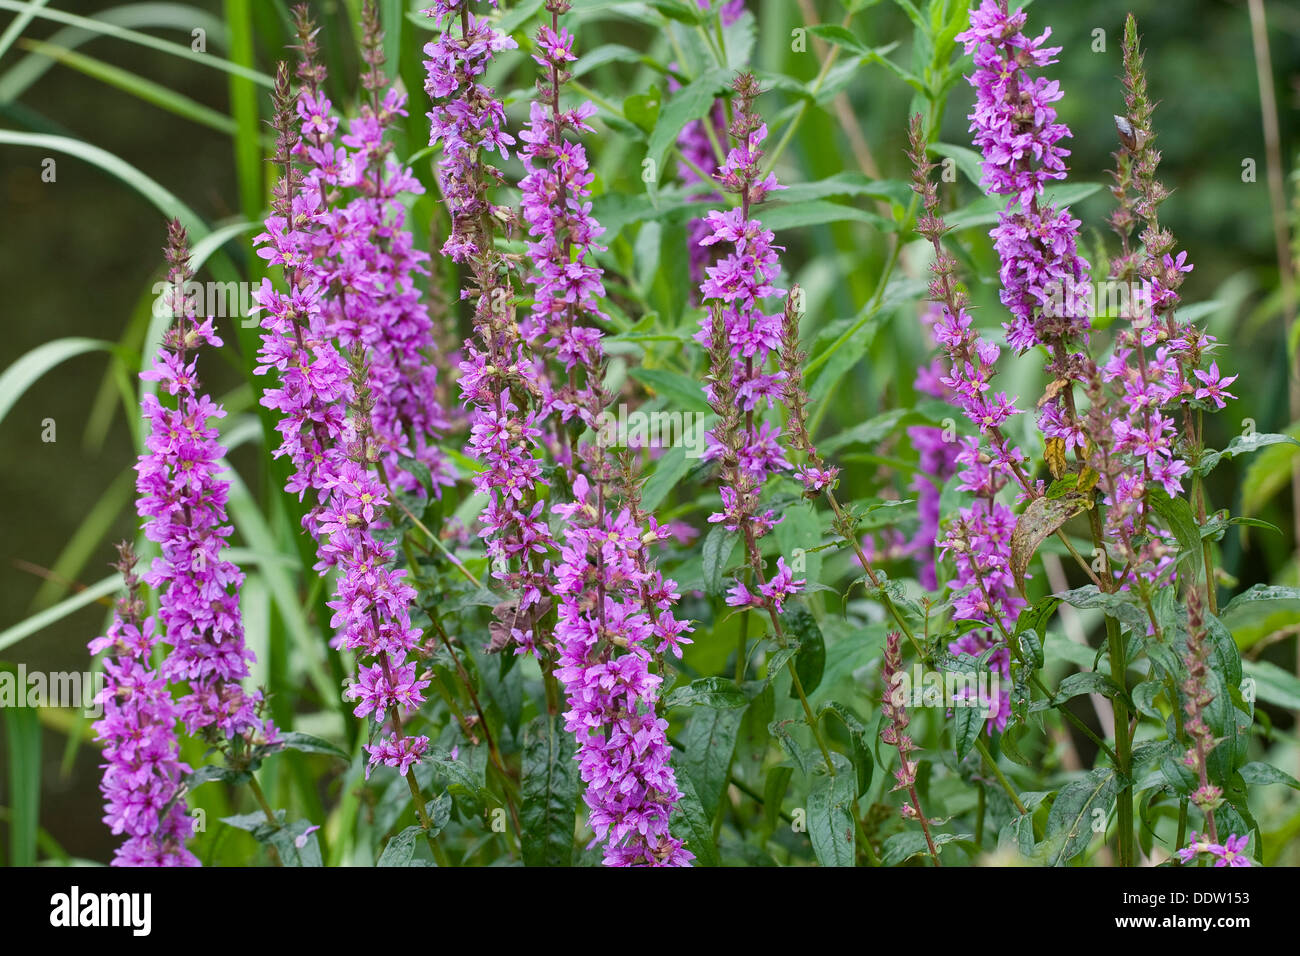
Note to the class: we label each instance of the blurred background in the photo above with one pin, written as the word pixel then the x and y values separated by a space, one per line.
pixel 80 255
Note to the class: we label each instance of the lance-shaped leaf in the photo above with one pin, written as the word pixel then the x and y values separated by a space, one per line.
pixel 1043 517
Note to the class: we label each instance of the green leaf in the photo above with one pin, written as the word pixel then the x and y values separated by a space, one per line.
pixel 58 612
pixel 863 761
pixel 1069 823
pixel 156 94
pixel 901 847
pixel 689 103
pixel 102 27
pixel 847 184
pixel 22 727
pixel 1037 616
pixel 774 788
pixel 717 549
pixel 716 692
pixel 214 772
pixel 682 390
pixel 1182 522
pixel 818 212
pixel 780 729
pixel 1261 774
pixel 1241 445
pixel 965 159
pixel 1089 682
pixel 607 53
pixel 985 211
pixel 666 476
pixel 307 743
pixel 830 814
pixel 698 835
pixel 549 788
pixel 1272 684
pixel 401 848
pixel 810 659
pixel 967 724
pixel 707 747
pixel 1267 474
pixel 1121 605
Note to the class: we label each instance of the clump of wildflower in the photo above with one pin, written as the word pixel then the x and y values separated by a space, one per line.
pixel 501 383
pixel 467 118
pixel 741 335
pixel 605 635
pixel 979 537
pixel 557 209
pixel 1041 272
pixel 364 258
pixel 143 773
pixel 372 603
pixel 183 501
pixel 314 385
pixel 1154 370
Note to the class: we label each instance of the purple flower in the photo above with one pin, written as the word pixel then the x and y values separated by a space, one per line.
pixel 611 613
pixel 183 501
pixel 143 774
pixel 1215 387
pixel 466 118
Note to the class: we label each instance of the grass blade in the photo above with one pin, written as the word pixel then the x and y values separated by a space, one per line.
pixel 38 622
pixel 23 373
pixel 153 93
pixel 143 39
pixel 23 730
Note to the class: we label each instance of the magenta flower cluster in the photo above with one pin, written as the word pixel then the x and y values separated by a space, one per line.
pixel 143 773
pixel 467 118
pixel 556 207
pixel 333 452
pixel 608 602
pixel 183 501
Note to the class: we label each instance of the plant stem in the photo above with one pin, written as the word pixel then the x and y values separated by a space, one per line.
pixel 1123 744
pixel 999 775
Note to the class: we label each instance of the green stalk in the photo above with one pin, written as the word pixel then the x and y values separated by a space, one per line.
pixel 1123 743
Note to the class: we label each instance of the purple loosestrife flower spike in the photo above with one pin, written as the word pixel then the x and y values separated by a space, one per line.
pixel 1015 128
pixel 556 207
pixel 695 144
pixel 183 501
pixel 501 380
pixel 365 261
pixel 1155 369
pixel 335 455
pixel 313 377
pixel 467 120
pixel 741 337
pixel 1197 697
pixel 979 537
pixel 605 636
pixel 143 774
pixel 893 733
